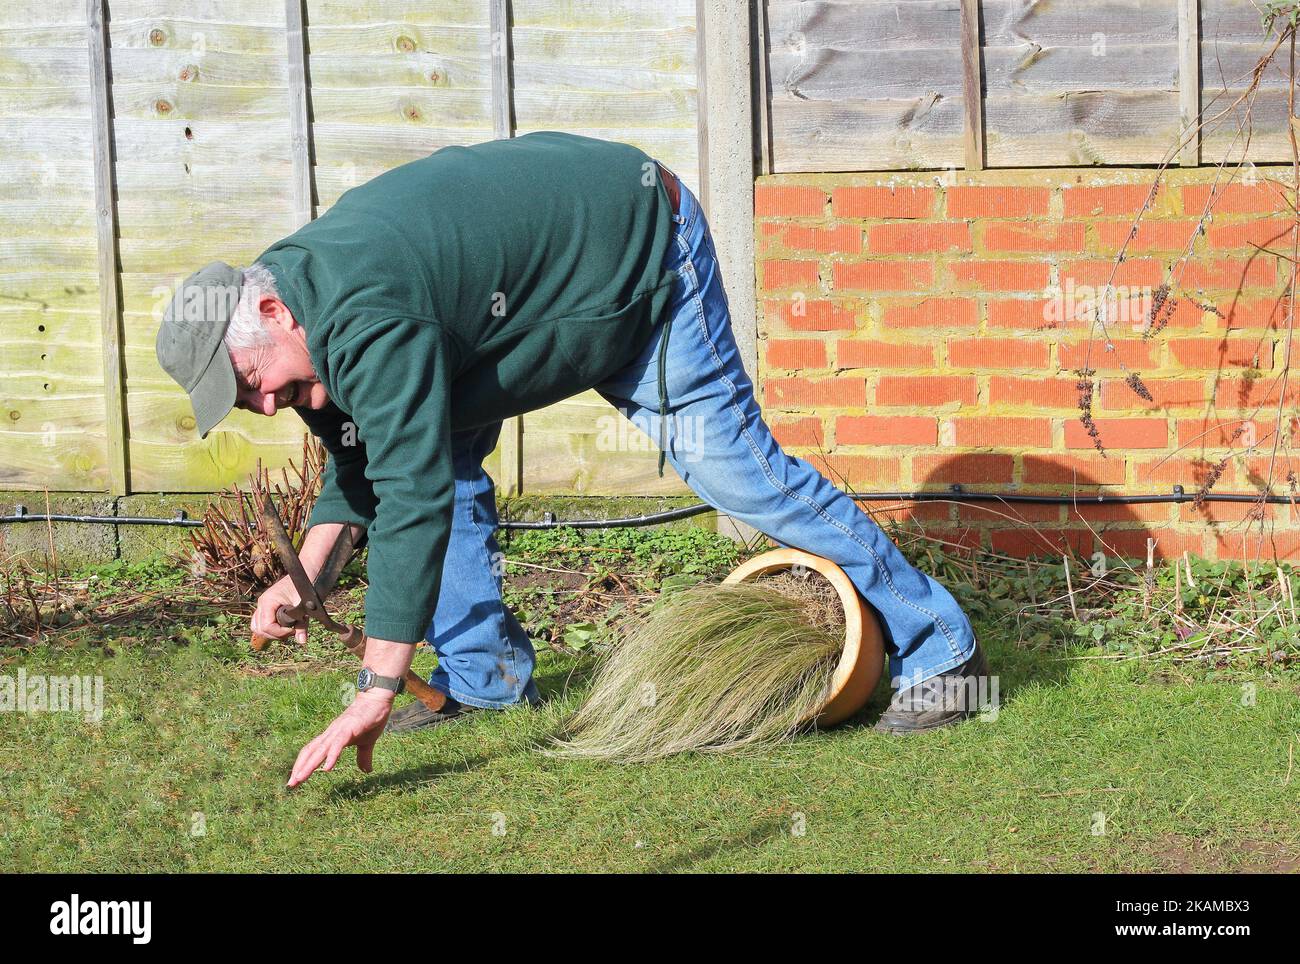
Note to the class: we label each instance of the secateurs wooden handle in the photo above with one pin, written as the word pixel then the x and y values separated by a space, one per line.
pixel 311 595
pixel 311 601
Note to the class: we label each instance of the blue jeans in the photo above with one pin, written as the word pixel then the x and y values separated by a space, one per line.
pixel 721 447
pixel 484 656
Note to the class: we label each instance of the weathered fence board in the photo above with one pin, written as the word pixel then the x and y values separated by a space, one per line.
pixel 623 71
pixel 584 446
pixel 52 399
pixel 877 84
pixel 865 86
pixel 203 138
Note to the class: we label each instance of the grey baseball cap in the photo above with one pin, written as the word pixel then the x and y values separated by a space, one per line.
pixel 190 347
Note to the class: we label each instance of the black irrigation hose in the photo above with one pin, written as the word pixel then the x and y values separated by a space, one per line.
pixel 954 494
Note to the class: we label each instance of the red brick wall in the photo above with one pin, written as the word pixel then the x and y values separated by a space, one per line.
pixel 923 329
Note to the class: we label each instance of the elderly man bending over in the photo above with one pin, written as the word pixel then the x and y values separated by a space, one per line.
pixel 473 285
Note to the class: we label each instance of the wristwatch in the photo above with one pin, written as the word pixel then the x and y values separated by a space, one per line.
pixel 368 679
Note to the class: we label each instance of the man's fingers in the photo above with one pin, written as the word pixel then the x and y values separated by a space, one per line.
pixel 300 764
pixel 268 627
pixel 332 756
pixel 324 751
pixel 307 767
pixel 264 622
pixel 309 758
pixel 306 751
pixel 300 634
pixel 366 749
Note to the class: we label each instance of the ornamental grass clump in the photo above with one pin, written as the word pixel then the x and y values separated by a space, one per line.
pixel 716 667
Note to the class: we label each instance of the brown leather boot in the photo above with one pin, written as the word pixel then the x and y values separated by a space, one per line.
pixel 939 701
pixel 417 716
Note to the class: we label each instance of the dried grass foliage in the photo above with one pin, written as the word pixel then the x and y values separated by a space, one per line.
pixel 714 668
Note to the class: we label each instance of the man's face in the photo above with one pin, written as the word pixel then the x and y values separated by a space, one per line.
pixel 279 373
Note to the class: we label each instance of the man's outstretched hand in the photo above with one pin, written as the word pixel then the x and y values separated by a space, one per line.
pixel 360 725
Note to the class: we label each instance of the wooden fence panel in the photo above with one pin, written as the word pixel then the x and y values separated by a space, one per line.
pixel 866 85
pixel 1073 84
pixel 1232 43
pixel 876 84
pixel 204 173
pixel 52 416
pixel 203 167
pixel 623 70
pixel 392 81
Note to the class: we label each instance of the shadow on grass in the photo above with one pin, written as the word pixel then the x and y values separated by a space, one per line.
pixel 760 833
pixel 373 784
pixel 554 682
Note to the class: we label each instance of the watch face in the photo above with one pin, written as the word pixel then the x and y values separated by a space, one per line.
pixel 365 678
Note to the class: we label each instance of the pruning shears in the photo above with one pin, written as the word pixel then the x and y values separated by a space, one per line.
pixel 312 594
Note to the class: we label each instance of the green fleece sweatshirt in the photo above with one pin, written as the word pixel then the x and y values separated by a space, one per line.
pixel 454 291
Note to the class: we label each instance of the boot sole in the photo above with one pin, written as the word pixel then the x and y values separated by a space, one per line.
pixel 900 729
pixel 424 723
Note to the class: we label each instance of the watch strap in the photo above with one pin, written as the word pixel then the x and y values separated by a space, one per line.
pixel 370 680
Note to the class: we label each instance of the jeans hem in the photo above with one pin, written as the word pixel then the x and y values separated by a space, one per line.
pixel 894 681
pixel 487 704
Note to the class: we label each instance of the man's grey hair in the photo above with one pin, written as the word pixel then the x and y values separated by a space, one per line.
pixel 246 329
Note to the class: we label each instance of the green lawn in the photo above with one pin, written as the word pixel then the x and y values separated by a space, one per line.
pixel 1187 776
pixel 1102 756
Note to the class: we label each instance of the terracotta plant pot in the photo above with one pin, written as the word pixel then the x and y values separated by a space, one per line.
pixel 863 658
